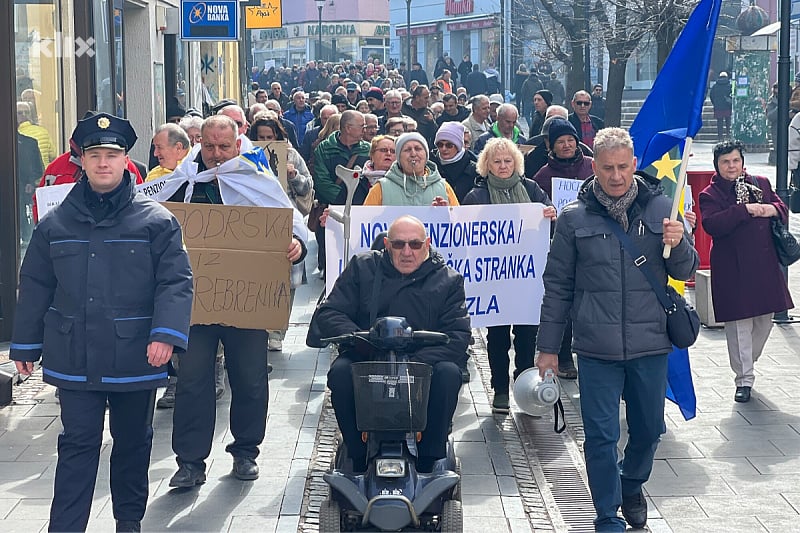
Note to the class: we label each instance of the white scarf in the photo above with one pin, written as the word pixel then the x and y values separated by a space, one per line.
pixel 244 180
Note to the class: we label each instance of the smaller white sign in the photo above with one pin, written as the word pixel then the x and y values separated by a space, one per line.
pixel 565 190
pixel 152 188
pixel 49 197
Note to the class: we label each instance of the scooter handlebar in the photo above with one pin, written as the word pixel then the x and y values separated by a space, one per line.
pixel 429 338
pixel 347 338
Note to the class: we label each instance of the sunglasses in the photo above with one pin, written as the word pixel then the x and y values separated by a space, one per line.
pixel 582 103
pixel 399 245
pixel 445 144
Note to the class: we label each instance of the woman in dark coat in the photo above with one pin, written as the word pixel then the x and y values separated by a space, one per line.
pixel 747 285
pixel 501 166
pixel 456 163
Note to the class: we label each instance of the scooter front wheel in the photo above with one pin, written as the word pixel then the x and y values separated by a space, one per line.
pixel 330 516
pixel 452 519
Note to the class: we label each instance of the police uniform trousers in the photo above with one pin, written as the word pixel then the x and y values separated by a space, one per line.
pixel 442 402
pixel 195 401
pixel 83 418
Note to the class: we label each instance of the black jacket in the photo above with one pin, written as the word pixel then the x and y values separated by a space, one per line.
pixel 476 83
pixel 461 175
pixel 431 298
pixel 479 195
pixel 93 295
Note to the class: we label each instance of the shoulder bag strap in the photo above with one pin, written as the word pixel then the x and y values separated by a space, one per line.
pixel 640 261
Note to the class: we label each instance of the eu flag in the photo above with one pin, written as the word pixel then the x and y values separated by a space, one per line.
pixel 673 109
pixel 672 113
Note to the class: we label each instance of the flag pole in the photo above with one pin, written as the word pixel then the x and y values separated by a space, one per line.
pixel 679 187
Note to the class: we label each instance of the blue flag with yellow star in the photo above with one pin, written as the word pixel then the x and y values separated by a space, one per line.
pixel 673 109
pixel 672 113
pixel 680 387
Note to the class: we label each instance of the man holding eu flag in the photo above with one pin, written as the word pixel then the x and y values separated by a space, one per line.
pixel 619 326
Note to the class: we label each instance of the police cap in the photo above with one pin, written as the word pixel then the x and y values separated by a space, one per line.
pixel 104 130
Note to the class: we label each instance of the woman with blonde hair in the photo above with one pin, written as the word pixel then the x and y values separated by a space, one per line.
pixel 501 180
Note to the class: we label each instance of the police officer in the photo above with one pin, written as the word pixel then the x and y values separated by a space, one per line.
pixel 105 298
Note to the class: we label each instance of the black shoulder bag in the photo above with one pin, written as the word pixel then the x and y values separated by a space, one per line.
pixel 683 323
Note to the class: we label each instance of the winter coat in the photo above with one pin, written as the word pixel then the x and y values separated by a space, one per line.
pixel 746 278
pixel 431 298
pixel 300 119
pixel 327 155
pixel 476 83
pixel 576 168
pixel 479 195
pixel 597 125
pixel 93 295
pixel 529 88
pixel 590 278
pixel 397 188
pixel 720 94
pixel 461 175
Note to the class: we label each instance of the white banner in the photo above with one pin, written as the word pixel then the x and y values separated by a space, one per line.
pixel 47 198
pixel 565 190
pixel 501 251
pixel 152 188
pixel 50 196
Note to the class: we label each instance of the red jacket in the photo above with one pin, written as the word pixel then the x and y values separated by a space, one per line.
pixel 65 169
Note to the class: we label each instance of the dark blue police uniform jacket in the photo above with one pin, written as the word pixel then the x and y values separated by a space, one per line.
pixel 93 295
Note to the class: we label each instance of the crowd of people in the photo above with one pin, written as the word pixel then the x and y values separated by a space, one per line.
pixel 416 144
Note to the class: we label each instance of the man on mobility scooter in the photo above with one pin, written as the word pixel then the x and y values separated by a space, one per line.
pixel 409 280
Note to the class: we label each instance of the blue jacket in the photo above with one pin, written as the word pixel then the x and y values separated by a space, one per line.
pixel 92 296
pixel 300 119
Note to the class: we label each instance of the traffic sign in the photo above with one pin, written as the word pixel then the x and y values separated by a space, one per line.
pixel 267 15
pixel 209 20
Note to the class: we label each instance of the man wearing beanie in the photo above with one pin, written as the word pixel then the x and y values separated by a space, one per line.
pixel 375 101
pixel 456 164
pixel 541 101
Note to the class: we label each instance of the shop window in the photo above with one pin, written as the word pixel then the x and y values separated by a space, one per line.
pixel 39 46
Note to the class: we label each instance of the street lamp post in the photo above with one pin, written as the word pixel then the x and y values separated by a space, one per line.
pixel 320 3
pixel 408 35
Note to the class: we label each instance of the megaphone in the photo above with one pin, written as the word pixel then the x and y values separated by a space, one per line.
pixel 534 395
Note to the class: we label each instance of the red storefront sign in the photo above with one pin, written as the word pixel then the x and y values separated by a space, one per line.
pixel 458 7
pixel 472 24
pixel 418 30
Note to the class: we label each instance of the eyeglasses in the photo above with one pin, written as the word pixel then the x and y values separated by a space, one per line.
pixel 445 144
pixel 582 102
pixel 393 102
pixel 386 150
pixel 399 245
pixel 239 123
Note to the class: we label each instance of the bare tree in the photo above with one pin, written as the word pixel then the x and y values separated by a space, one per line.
pixel 574 21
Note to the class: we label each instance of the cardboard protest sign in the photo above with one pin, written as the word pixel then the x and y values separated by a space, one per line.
pixel 239 264
pixel 277 153
pixel 50 196
pixel 501 251
pixel 565 190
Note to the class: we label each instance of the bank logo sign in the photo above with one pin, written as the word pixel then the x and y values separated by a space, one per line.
pixel 209 20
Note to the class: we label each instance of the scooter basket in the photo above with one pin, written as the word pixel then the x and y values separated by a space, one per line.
pixel 391 396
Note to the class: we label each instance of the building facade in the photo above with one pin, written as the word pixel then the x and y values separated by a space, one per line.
pixel 351 30
pixel 62 58
pixel 458 27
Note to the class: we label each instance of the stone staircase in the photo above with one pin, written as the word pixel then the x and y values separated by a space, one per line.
pixel 708 134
